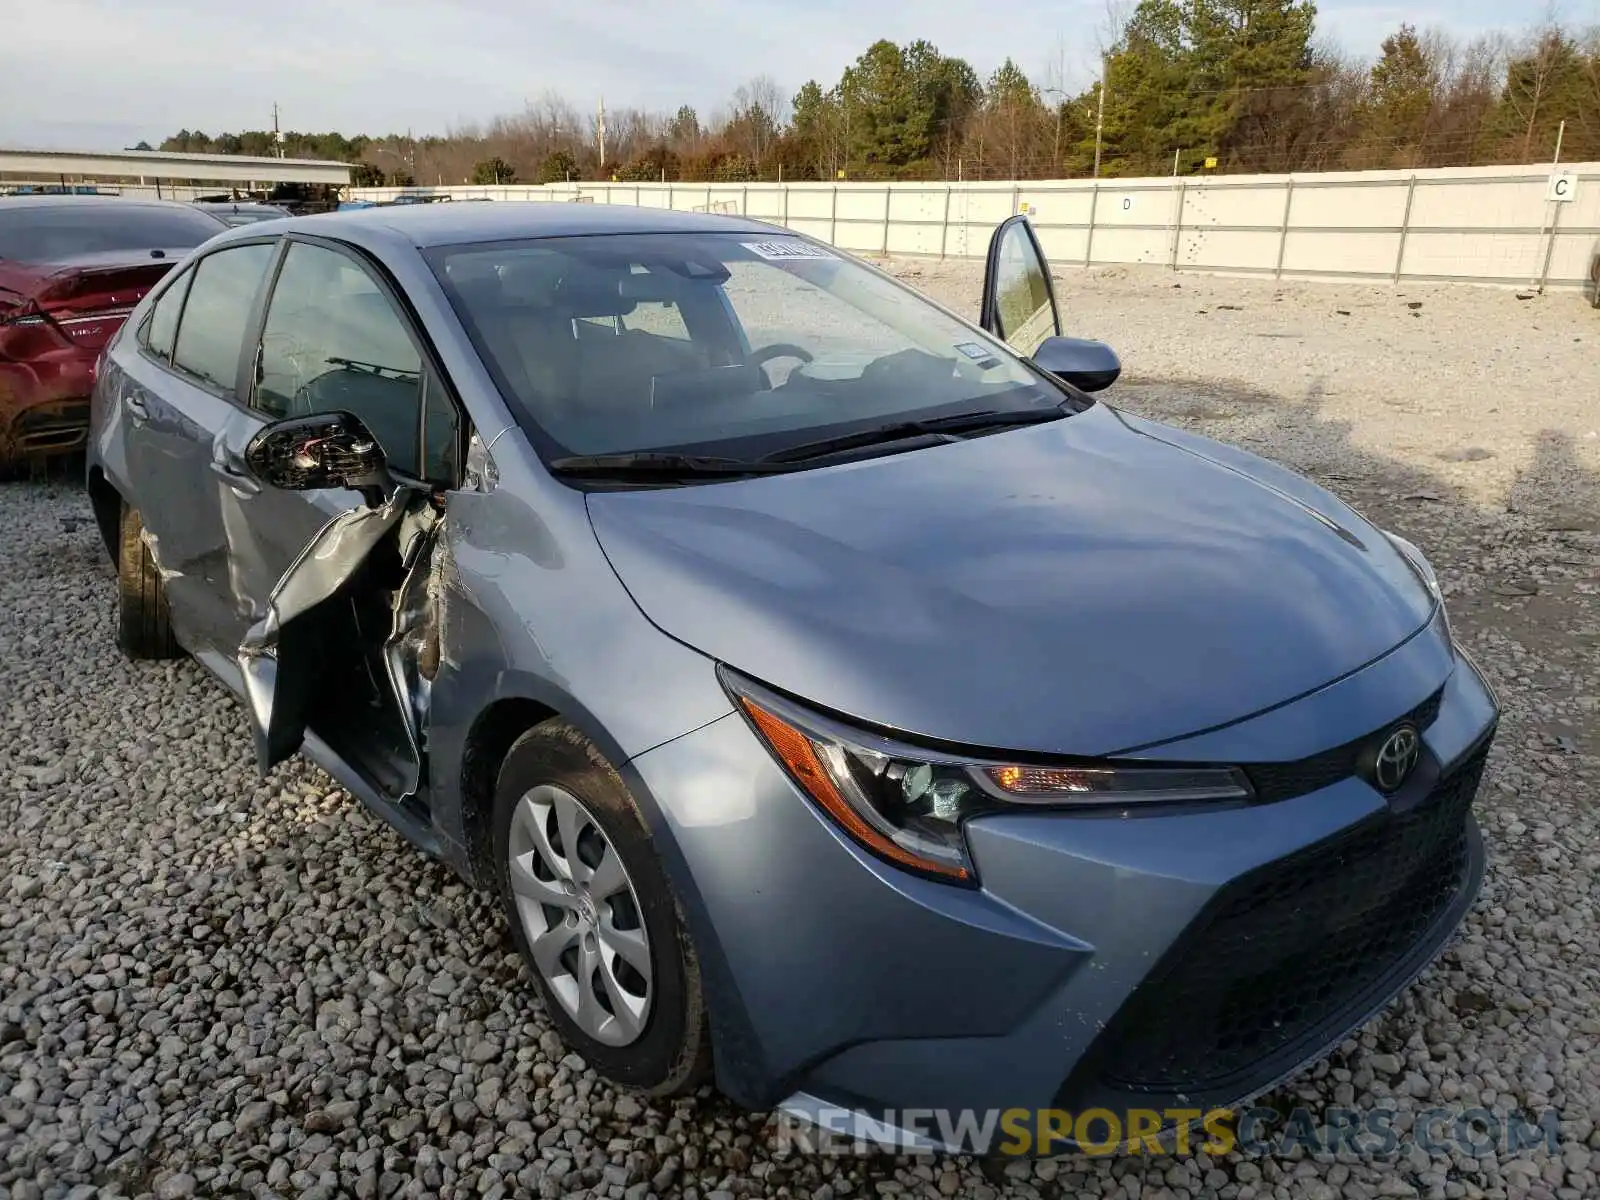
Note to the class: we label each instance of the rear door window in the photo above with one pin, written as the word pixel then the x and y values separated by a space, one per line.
pixel 221 298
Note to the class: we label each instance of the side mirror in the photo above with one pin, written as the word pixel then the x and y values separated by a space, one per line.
pixel 1087 366
pixel 326 450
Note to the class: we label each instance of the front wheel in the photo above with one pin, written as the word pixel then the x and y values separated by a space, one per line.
pixel 594 916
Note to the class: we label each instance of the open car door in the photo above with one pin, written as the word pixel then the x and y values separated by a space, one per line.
pixel 1019 302
pixel 1019 308
pixel 342 648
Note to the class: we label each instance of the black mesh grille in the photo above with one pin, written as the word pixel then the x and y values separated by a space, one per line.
pixel 1291 951
pixel 1284 781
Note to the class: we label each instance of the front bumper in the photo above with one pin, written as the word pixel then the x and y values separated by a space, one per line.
pixel 1165 963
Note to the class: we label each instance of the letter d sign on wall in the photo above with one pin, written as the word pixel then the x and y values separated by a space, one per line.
pixel 1563 188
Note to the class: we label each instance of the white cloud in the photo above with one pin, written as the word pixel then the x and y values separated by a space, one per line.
pixel 93 73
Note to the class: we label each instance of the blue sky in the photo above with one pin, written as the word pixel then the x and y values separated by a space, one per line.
pixel 93 74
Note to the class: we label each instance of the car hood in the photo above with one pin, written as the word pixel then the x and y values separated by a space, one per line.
pixel 1089 586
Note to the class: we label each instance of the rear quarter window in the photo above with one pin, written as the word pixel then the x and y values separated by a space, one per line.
pixel 161 326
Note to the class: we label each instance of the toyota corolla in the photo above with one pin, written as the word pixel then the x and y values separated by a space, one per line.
pixel 841 701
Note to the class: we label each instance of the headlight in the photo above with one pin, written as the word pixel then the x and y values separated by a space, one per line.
pixel 907 805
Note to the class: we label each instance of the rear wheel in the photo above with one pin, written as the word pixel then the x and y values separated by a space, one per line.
pixel 144 624
pixel 594 916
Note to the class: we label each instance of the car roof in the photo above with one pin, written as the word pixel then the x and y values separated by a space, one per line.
pixel 81 201
pixel 426 225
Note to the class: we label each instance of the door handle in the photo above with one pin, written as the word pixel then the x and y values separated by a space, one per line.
pixel 234 474
pixel 135 406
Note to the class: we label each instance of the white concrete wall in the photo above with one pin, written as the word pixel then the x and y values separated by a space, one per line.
pixel 1489 225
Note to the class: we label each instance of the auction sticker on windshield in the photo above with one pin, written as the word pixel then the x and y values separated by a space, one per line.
pixel 787 249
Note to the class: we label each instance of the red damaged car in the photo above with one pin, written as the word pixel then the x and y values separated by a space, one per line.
pixel 71 269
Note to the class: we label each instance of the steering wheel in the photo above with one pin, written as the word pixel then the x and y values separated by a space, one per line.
pixel 761 357
pixel 780 350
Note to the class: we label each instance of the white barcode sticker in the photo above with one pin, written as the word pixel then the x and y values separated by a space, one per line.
pixel 787 248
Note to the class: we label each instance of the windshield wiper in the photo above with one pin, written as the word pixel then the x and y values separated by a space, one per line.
pixel 895 431
pixel 370 368
pixel 647 462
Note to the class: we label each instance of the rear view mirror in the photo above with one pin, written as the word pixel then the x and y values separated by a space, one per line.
pixel 1087 366
pixel 327 450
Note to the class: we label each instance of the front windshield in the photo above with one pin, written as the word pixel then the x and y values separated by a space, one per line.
pixel 733 344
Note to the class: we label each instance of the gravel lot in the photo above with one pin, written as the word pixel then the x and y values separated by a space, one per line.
pixel 215 985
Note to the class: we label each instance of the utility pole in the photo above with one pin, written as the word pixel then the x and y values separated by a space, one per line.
pixel 1100 118
pixel 277 134
pixel 601 125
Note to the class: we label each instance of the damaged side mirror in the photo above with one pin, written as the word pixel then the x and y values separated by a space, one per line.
pixel 326 450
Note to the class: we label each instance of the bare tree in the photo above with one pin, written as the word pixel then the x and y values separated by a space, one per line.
pixel 1055 89
pixel 759 111
pixel 555 123
pixel 1588 113
pixel 1527 93
pixel 765 93
pixel 1468 77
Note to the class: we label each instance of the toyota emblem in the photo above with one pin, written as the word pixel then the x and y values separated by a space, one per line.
pixel 1396 759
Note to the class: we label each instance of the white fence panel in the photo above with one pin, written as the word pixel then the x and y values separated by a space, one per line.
pixel 1336 207
pixel 1339 252
pixel 1473 224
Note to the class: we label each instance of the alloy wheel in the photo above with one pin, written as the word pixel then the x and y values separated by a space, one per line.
pixel 581 915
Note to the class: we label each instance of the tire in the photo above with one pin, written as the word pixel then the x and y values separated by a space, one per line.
pixel 144 623
pixel 664 1047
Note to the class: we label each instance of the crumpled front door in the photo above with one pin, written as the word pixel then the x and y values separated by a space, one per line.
pixel 282 656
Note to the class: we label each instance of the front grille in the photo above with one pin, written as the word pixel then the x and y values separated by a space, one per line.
pixel 1289 954
pixel 1284 781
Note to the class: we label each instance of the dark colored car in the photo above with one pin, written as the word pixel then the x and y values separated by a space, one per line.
pixel 834 692
pixel 241 212
pixel 71 269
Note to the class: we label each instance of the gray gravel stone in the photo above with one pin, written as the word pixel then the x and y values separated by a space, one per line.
pixel 1385 1064
pixel 253 1116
